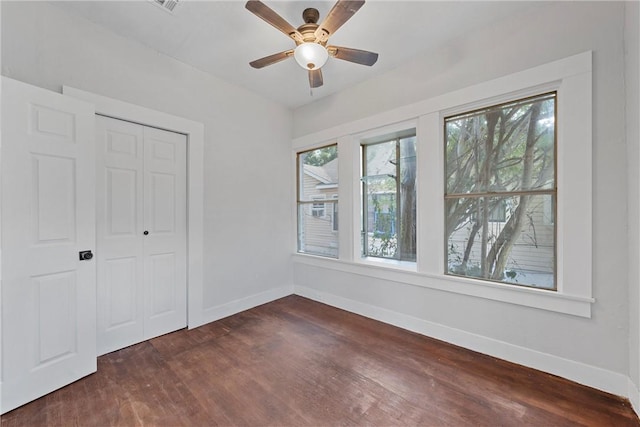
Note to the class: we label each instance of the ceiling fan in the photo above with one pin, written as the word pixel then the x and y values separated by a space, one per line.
pixel 311 50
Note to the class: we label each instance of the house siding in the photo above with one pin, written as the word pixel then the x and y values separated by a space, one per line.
pixel 316 234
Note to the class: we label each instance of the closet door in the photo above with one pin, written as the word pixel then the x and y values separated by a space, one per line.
pixel 141 216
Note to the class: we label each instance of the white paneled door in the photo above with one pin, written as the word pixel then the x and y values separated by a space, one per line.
pixel 141 232
pixel 48 218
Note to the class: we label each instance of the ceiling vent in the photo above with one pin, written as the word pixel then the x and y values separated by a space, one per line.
pixel 166 5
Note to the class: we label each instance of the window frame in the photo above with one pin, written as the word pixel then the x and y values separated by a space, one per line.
pixel 572 78
pixel 396 138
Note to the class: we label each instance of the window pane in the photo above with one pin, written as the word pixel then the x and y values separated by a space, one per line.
pixel 382 238
pixel 316 234
pixel 389 199
pixel 318 201
pixel 318 173
pixel 505 148
pixel 519 249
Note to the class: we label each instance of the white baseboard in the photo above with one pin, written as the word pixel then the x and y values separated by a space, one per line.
pixel 634 396
pixel 588 375
pixel 221 311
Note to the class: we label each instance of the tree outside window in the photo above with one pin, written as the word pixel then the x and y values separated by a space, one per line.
pixel 500 184
pixel 389 198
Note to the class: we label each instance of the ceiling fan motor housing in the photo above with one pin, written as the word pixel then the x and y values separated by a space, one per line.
pixel 308 31
pixel 310 16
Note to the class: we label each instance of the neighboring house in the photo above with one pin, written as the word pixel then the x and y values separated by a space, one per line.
pixel 318 222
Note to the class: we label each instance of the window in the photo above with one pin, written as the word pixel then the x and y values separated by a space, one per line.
pixel 547 266
pixel 317 182
pixel 389 197
pixel 317 209
pixel 499 187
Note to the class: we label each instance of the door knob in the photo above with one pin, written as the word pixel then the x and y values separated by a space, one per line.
pixel 85 255
pixel 145 232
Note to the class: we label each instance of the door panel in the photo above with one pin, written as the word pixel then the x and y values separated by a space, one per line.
pixel 56 313
pixel 52 123
pixel 162 192
pixel 122 207
pixel 121 288
pixel 54 198
pixel 48 294
pixel 163 277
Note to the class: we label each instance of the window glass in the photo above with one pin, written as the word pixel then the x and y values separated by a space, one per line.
pixel 317 209
pixel 318 201
pixel 500 193
pixel 389 198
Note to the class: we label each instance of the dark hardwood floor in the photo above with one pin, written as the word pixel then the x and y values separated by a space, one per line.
pixel 295 362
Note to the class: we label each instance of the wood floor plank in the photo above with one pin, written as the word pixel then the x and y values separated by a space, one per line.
pixel 296 362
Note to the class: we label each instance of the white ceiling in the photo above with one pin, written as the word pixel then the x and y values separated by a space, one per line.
pixel 222 37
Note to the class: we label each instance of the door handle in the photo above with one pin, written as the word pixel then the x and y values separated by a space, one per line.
pixel 145 232
pixel 85 255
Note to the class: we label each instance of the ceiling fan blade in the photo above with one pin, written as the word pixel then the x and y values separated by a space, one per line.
pixel 358 56
pixel 271 59
pixel 264 12
pixel 315 78
pixel 338 15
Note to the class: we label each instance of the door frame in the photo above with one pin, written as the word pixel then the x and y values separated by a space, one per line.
pixel 194 131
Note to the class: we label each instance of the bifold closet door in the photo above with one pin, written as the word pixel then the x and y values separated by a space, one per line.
pixel 141 233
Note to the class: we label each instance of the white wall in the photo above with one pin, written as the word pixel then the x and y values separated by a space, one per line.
pixel 632 88
pixel 247 140
pixel 545 33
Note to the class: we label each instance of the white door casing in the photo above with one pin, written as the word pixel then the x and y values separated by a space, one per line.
pixel 194 131
pixel 48 216
pixel 141 215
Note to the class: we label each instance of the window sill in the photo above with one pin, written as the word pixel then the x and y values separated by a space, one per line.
pixel 388 263
pixel 399 272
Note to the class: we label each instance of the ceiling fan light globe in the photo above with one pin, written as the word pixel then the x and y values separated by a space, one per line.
pixel 311 56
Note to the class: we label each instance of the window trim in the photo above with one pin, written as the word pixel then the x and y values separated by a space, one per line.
pixel 571 77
